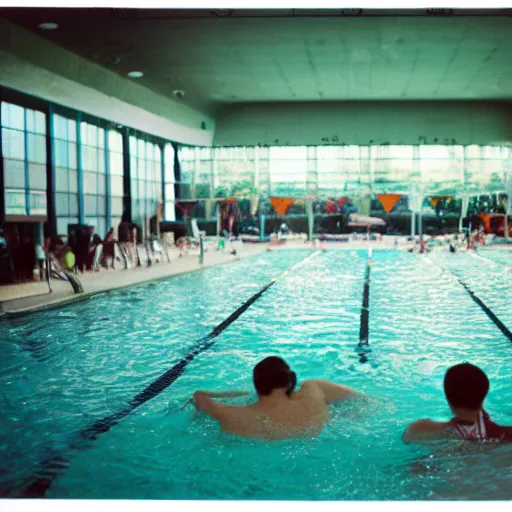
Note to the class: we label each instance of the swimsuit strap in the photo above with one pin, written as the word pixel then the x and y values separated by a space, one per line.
pixel 481 426
pixel 476 431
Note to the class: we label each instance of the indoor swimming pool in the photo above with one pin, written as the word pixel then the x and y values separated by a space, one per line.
pixel 63 370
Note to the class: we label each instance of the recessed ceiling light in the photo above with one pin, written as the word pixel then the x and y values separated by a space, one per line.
pixel 49 26
pixel 178 93
pixel 135 74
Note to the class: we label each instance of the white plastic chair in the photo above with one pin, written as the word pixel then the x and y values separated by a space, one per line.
pixel 196 233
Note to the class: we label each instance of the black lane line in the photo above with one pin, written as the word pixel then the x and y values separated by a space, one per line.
pixel 364 328
pixel 499 324
pixel 57 464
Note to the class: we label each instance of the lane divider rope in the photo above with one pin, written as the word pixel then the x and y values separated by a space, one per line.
pixel 364 328
pixel 501 326
pixel 55 465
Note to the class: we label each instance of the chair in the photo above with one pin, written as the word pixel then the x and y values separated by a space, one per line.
pixel 196 233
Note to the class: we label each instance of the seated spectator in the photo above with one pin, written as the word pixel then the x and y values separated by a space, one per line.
pixel 108 255
pixel 6 275
pixel 64 255
pixel 25 259
pixel 94 242
pixel 41 260
pixel 183 245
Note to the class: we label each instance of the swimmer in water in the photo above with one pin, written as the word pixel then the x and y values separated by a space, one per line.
pixel 465 387
pixel 280 412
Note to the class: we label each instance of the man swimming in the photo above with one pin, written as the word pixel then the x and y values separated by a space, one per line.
pixel 465 387
pixel 280 412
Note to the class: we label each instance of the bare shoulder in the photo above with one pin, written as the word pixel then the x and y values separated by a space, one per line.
pixel 425 430
pixel 308 387
pixel 331 391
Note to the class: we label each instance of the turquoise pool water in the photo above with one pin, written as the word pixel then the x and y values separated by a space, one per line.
pixel 497 256
pixel 61 370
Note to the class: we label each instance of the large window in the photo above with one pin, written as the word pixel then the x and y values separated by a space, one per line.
pixel 441 168
pixel 393 169
pixel 339 170
pixel 94 177
pixel 196 165
pixel 66 172
pixel 24 158
pixel 235 172
pixel 146 179
pixel 213 173
pixel 93 180
pixel 116 171
pixel 288 171
pixel 486 168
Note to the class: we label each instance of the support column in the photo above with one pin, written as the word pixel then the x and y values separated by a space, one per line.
pixel 508 191
pixel 177 180
pixel 420 216
pixel 163 163
pixel 211 210
pixel 108 192
pixel 311 220
pixel 127 193
pixel 201 250
pixel 50 176
pixel 255 193
pixel 27 175
pixel 413 216
pixel 81 211
pixel 463 209
pixel 417 200
pixel 217 213
pixel 262 226
pixel 2 184
pixel 508 184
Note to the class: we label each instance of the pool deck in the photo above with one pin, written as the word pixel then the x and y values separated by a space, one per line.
pixel 24 298
pixel 29 297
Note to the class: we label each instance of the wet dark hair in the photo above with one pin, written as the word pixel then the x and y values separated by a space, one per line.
pixel 273 373
pixel 466 385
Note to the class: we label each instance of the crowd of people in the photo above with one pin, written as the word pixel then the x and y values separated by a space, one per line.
pixel 20 258
pixel 83 250
pixel 468 240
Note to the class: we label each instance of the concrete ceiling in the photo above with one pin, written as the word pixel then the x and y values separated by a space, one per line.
pixel 283 56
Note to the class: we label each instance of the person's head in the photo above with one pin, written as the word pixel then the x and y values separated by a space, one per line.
pixel 90 229
pixel 273 373
pixel 465 387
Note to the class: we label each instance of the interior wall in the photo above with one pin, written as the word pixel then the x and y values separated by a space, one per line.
pixel 35 66
pixel 363 123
